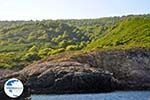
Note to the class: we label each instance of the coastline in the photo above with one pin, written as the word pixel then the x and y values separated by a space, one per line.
pixel 81 75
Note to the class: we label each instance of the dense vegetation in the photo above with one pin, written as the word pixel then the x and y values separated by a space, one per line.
pixel 133 31
pixel 22 42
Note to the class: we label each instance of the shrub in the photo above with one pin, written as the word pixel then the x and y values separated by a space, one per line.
pixel 72 47
pixel 31 56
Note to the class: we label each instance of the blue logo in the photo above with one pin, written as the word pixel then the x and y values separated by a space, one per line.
pixel 13 88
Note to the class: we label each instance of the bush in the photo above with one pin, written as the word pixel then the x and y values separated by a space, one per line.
pixel 31 56
pixel 33 49
pixel 44 52
pixel 4 65
pixel 72 47
pixel 56 51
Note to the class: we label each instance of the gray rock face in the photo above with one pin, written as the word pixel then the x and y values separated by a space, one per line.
pixel 84 82
pixel 128 66
pixel 68 77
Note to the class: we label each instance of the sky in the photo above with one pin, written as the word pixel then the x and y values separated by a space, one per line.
pixel 70 9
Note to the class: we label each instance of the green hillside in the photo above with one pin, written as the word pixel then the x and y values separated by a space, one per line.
pixel 22 42
pixel 132 31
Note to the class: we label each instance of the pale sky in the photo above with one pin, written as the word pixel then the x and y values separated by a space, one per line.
pixel 70 9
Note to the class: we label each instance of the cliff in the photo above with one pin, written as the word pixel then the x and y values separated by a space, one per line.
pixel 97 71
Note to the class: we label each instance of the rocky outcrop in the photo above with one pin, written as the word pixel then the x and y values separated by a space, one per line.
pixel 68 77
pixel 97 71
pixel 65 77
pixel 128 66
pixel 4 72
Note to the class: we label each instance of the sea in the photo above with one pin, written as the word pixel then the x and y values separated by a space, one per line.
pixel 118 95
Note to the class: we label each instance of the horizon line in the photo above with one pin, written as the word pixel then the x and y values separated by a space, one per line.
pixel 74 18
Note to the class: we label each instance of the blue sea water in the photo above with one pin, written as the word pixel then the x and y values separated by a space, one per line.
pixel 126 95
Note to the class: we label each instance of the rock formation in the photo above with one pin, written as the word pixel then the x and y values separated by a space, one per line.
pixel 97 71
